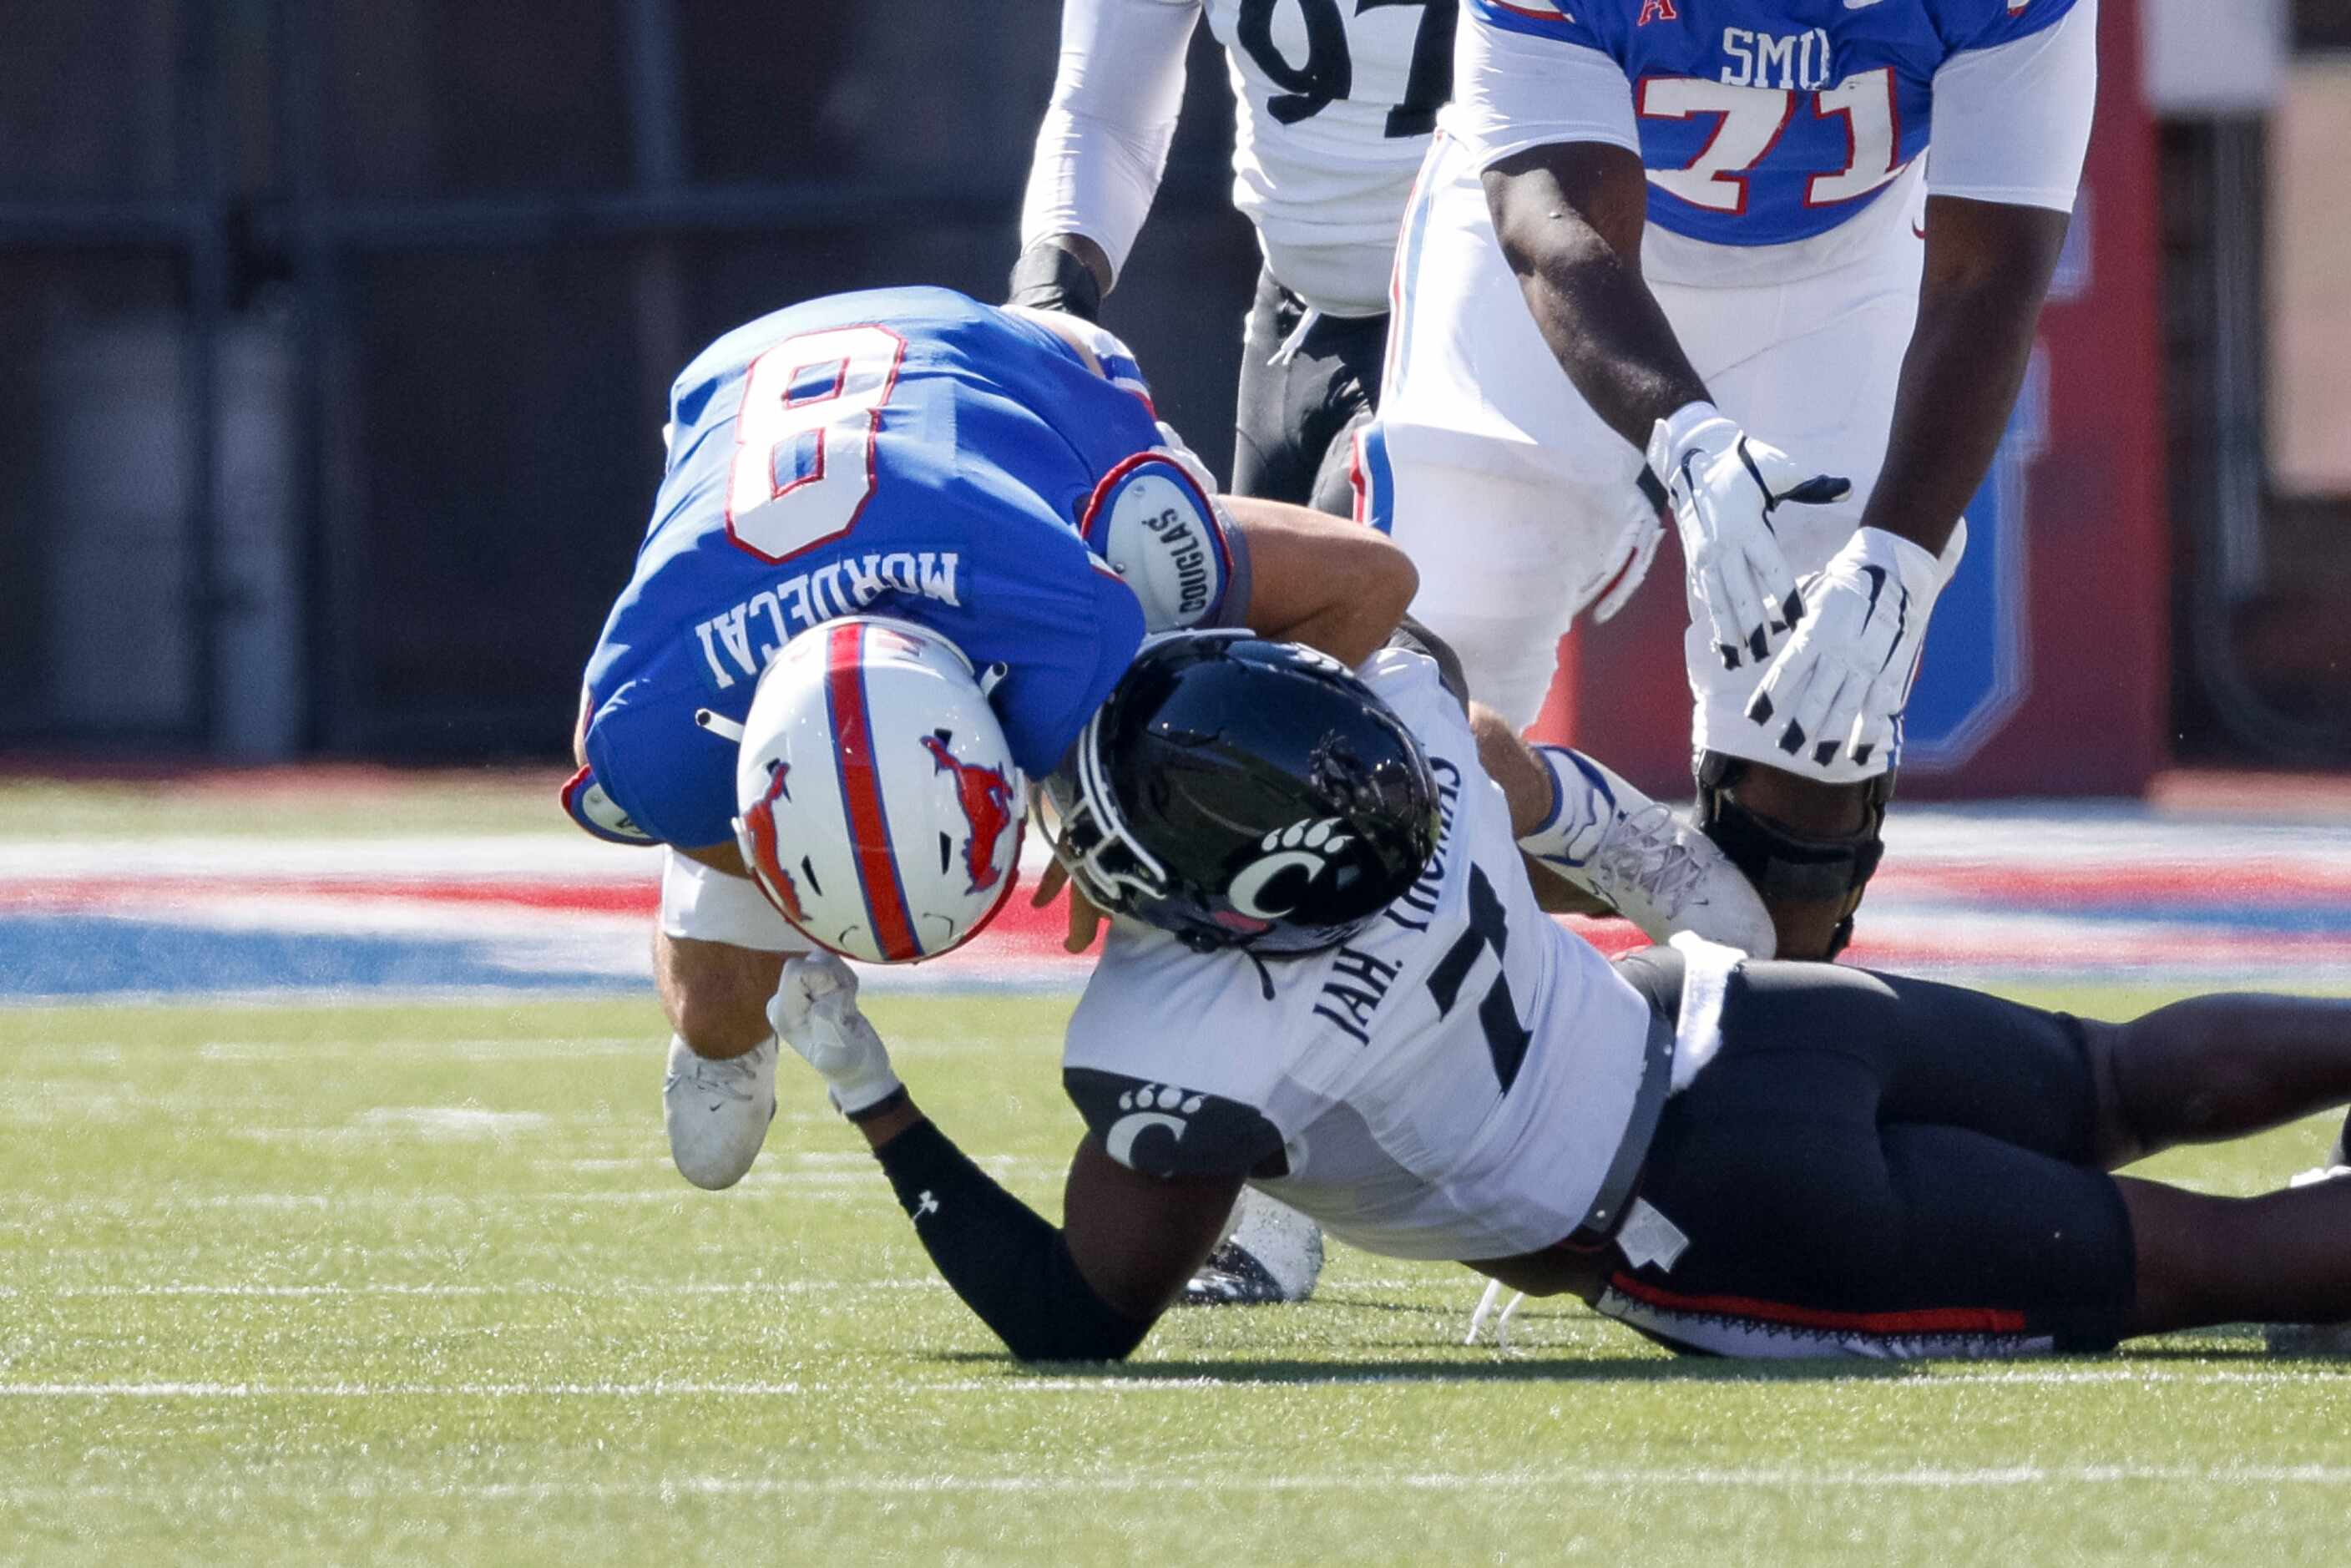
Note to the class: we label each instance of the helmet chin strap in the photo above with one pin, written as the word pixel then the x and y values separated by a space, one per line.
pixel 719 725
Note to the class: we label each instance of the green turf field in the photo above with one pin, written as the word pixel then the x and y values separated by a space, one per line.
pixel 416 1284
pixel 326 801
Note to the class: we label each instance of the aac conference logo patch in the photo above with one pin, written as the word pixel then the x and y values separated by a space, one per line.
pixel 1154 526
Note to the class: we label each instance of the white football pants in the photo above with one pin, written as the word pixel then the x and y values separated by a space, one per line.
pixel 1511 496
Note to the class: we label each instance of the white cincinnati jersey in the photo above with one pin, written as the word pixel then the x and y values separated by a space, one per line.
pixel 1336 101
pixel 1453 1083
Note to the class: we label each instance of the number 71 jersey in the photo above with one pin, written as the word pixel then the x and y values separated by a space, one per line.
pixel 899 451
pixel 1766 122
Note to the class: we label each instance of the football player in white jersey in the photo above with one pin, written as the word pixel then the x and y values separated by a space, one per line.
pixel 1335 103
pixel 1717 217
pixel 1332 982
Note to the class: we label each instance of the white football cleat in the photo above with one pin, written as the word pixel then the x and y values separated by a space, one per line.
pixel 1644 861
pixel 717 1110
pixel 2312 1339
pixel 1269 1253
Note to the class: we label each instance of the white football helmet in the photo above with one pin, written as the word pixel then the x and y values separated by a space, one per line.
pixel 880 806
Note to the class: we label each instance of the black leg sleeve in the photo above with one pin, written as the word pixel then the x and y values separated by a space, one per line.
pixel 1009 1266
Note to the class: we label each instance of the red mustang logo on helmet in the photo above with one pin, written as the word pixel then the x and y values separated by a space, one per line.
pixel 767 866
pixel 987 799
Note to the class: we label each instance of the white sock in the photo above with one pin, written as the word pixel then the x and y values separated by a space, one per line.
pixel 1583 804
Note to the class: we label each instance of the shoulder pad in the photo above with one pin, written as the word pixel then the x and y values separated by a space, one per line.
pixel 1415 638
pixel 599 814
pixel 1166 1130
pixel 1111 357
pixel 1154 525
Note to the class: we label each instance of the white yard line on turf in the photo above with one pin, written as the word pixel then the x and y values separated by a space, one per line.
pixel 1113 1484
pixel 433 1289
pixel 602 1288
pixel 794 1389
pixel 522 1048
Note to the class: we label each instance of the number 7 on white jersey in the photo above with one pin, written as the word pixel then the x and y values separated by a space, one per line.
pixel 804 438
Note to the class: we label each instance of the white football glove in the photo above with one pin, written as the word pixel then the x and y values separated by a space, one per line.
pixel 815 1013
pixel 1636 548
pixel 1724 486
pixel 1844 678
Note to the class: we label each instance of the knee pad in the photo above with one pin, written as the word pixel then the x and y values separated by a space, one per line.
pixel 1787 866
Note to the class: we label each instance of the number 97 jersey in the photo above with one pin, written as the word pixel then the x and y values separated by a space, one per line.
pixel 1336 100
pixel 899 452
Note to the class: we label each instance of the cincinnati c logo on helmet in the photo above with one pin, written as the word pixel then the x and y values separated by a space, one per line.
pixel 1307 846
pixel 765 863
pixel 986 798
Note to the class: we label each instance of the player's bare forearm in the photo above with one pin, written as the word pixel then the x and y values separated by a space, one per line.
pixel 879 1128
pixel 1524 781
pixel 1322 580
pixel 1526 784
pixel 1570 218
pixel 1137 1239
pixel 1988 269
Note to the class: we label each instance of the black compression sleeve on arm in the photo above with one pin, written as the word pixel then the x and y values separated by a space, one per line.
pixel 1009 1266
pixel 1048 278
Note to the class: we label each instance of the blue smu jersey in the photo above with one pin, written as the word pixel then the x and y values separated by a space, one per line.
pixel 1764 121
pixel 899 451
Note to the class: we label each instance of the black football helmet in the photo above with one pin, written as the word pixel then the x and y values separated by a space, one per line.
pixel 1242 794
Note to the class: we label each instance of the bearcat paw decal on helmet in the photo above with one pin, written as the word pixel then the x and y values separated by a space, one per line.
pixel 1307 846
pixel 1312 835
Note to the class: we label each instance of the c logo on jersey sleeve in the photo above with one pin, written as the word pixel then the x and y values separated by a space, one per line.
pixel 1162 1129
pixel 1160 531
pixel 598 813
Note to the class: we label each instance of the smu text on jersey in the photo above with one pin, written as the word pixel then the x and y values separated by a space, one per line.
pixel 1764 121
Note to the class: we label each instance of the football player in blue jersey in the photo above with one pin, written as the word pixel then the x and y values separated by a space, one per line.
pixel 995 479
pixel 1718 216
